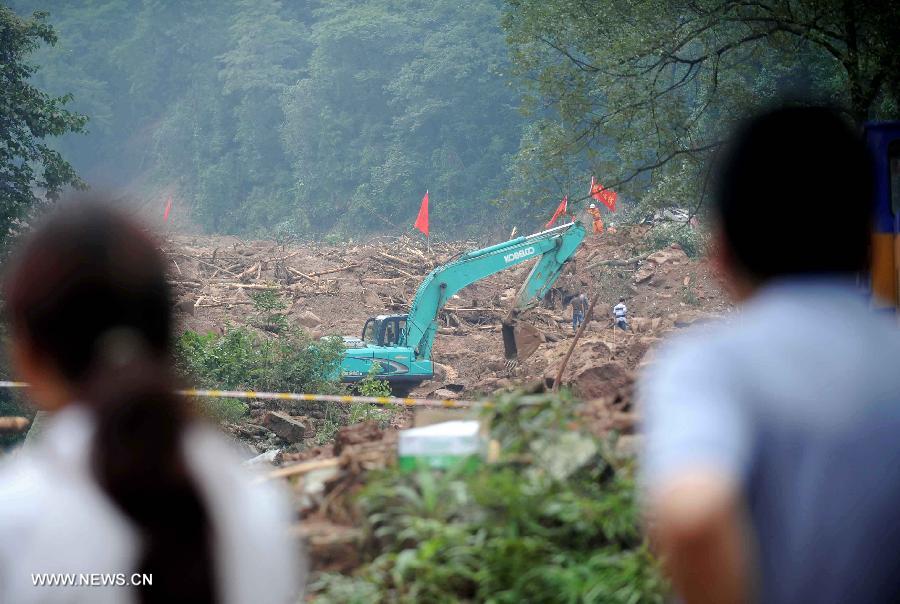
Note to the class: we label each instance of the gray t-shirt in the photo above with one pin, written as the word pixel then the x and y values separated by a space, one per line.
pixel 580 304
pixel 797 398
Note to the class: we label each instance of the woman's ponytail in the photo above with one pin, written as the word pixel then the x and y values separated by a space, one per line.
pixel 137 458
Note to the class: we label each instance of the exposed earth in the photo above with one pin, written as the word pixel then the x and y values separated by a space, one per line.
pixel 333 289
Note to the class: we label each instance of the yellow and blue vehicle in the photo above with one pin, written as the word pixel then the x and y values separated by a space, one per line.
pixel 399 346
pixel 883 140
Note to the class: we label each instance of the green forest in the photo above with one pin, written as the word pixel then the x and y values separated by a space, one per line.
pixel 333 118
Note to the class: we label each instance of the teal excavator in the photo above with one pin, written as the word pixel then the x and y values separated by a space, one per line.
pixel 399 346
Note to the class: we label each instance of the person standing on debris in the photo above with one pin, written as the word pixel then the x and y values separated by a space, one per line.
pixel 620 315
pixel 770 466
pixel 594 211
pixel 124 481
pixel 579 308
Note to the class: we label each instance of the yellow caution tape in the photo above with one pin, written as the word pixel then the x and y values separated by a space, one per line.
pixel 328 398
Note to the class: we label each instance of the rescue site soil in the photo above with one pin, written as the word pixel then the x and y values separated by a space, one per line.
pixel 325 452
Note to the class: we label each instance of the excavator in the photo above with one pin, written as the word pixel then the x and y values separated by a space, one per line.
pixel 399 346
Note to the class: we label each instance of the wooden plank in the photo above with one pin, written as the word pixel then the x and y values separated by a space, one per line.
pixel 304 467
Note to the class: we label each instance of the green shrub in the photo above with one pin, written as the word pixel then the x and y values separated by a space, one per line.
pixel 664 235
pixel 268 305
pixel 241 359
pixel 371 385
pixel 554 520
pixel 223 409
pixel 364 412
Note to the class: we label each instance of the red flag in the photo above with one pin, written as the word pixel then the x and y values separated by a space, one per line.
pixel 563 206
pixel 605 196
pixel 422 218
pixel 168 209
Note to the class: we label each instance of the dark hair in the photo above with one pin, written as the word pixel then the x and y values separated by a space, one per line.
pixel 88 294
pixel 795 194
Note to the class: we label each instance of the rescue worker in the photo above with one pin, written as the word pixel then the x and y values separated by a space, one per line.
pixel 620 313
pixel 579 308
pixel 598 221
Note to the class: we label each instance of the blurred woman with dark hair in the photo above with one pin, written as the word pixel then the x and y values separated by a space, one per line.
pixel 123 479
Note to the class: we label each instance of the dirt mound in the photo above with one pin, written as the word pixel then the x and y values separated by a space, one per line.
pixel 601 381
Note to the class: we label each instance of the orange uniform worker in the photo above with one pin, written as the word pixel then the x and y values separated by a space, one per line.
pixel 598 221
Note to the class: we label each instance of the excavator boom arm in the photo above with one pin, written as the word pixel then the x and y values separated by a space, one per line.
pixel 553 247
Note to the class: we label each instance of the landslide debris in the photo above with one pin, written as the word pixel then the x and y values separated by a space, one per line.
pixel 333 289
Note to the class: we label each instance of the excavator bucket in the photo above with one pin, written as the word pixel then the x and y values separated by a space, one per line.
pixel 520 340
pixel 510 350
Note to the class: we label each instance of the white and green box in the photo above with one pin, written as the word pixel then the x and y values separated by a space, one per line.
pixel 441 445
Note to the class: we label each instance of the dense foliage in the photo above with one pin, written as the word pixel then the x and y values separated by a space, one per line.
pixel 28 116
pixel 553 520
pixel 642 91
pixel 243 360
pixel 313 116
pixel 287 119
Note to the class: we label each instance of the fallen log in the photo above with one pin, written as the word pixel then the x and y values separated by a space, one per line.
pixel 304 467
pixel 614 262
pixel 246 274
pixel 204 263
pixel 250 285
pixel 377 280
pixel 218 304
pixel 456 309
pixel 294 271
pixel 289 256
pixel 396 260
pixel 405 274
pixel 333 270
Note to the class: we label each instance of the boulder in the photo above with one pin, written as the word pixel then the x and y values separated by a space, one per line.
pixel 309 319
pixel 290 428
pixel 603 380
pixel 640 324
pixel 590 351
pixel 672 254
pixel 644 273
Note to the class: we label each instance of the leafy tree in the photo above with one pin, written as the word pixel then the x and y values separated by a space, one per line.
pixel 322 116
pixel 401 98
pixel 641 91
pixel 28 166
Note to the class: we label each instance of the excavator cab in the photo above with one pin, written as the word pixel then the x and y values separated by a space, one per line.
pixel 382 346
pixel 384 330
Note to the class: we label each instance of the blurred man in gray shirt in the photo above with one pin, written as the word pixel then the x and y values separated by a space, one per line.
pixel 771 470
